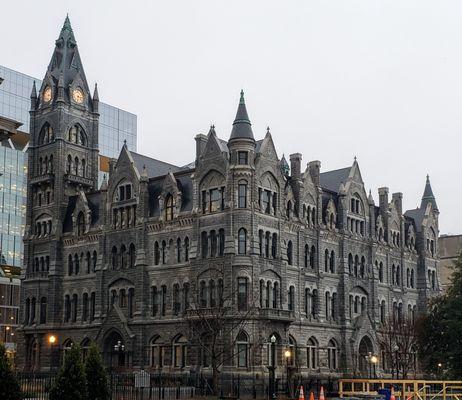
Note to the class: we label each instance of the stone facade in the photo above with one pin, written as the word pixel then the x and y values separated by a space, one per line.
pixel 317 263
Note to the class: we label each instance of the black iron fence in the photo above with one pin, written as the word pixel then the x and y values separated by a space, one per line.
pixel 142 385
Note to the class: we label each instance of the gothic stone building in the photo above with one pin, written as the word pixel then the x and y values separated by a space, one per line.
pixel 310 258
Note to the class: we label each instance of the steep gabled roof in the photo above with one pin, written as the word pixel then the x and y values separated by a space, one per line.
pixel 331 180
pixel 428 196
pixel 154 167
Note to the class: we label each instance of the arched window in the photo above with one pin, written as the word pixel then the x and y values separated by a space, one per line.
pixel 123 256
pixel 76 166
pixel 306 256
pixel 332 355
pixel 70 265
pixel 169 208
pixel 157 353
pixel 203 295
pixel 260 242
pixel 242 241
pixel 114 258
pixel 85 307
pixel 76 264
pixel 332 262
pixel 242 294
pixel 156 253
pixel 313 257
pixel 213 243
pixel 186 296
pixel 398 275
pixel 313 216
pixel 242 347
pixel 67 308
pixel 289 209
pixel 274 245
pixel 88 262
pixel 83 169
pixel 94 260
pixel 75 305
pixel 80 224
pixel 179 351
pixel 43 310
pixel 204 244
pixel 131 255
pixel 176 299
pixel 46 134
pixel 326 260
pixel 312 353
pixel 242 194
pixel 383 311
pixel 178 250
pixel 186 249
pixel 291 300
pixel 290 253
pixel 412 278
pixel 164 252
pixel 381 271
pixel 362 269
pixel 356 265
pixel 221 242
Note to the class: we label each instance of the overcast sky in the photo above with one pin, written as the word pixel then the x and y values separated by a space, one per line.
pixel 376 79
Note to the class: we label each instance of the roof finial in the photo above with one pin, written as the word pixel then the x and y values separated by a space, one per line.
pixel 241 100
pixel 355 158
pixel 125 142
pixel 268 129
pixel 33 94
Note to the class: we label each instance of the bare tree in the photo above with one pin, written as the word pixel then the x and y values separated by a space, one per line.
pixel 398 340
pixel 214 325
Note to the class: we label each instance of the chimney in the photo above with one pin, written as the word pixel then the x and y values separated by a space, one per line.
pixel 398 200
pixel 314 168
pixel 383 199
pixel 201 141
pixel 295 165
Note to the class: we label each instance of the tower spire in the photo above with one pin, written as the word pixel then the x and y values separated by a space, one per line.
pixel 428 196
pixel 242 128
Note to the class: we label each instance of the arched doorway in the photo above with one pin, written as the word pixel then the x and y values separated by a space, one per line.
pixel 115 351
pixel 365 350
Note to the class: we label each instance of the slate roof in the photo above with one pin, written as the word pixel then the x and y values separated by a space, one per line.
pixel 417 215
pixel 242 128
pixel 154 167
pixel 331 180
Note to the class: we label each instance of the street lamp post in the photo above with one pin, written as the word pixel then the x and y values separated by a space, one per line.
pixel 271 368
pixel 119 348
pixel 52 341
pixel 287 355
pixel 396 348
pixel 374 361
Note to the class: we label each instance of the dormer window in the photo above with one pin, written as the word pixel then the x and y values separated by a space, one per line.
pixel 169 208
pixel 243 157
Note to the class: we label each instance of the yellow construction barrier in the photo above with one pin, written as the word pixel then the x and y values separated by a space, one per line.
pixel 405 389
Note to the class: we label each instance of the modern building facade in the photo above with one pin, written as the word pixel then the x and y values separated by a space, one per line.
pixel 9 308
pixel 304 260
pixel 450 248
pixel 116 127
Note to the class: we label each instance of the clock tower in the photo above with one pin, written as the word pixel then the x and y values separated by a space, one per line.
pixel 62 163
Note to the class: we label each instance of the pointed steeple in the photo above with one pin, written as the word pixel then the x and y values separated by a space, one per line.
pixel 284 166
pixel 33 97
pixel 428 196
pixel 33 94
pixel 95 99
pixel 65 64
pixel 242 128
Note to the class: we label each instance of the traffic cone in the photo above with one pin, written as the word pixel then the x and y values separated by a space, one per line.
pixel 392 396
pixel 311 396
pixel 321 394
pixel 301 396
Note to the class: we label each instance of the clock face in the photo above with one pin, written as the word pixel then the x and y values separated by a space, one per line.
pixel 47 94
pixel 77 95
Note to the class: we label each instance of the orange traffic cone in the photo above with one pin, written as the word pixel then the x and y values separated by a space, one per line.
pixel 321 394
pixel 311 396
pixel 392 396
pixel 301 396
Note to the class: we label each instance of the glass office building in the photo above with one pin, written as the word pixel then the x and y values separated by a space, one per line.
pixel 115 127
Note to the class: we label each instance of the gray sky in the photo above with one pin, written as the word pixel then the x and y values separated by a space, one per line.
pixel 379 79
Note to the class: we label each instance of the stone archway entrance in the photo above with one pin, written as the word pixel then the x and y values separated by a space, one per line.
pixel 115 351
pixel 365 350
